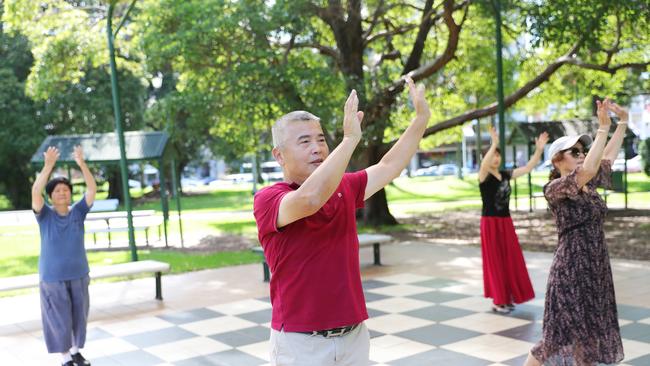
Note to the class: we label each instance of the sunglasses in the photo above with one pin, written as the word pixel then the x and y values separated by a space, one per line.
pixel 575 152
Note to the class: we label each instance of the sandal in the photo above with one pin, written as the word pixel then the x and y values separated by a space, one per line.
pixel 502 309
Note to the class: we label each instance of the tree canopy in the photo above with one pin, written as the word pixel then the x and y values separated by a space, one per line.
pixel 230 68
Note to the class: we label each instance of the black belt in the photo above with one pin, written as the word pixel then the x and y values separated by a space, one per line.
pixel 334 332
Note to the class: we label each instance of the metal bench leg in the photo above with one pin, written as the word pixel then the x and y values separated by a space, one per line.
pixel 375 249
pixel 267 272
pixel 158 286
pixel 109 237
pixel 95 238
pixel 146 235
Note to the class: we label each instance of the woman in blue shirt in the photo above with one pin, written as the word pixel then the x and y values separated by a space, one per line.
pixel 63 266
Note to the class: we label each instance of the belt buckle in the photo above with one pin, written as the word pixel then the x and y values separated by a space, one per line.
pixel 335 332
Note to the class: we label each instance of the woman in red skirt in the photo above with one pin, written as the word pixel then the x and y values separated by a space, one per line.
pixel 505 277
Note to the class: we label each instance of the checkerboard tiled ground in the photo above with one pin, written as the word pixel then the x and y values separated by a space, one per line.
pixel 415 319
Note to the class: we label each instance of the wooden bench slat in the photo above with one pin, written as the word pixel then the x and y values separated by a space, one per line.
pixel 364 240
pixel 115 270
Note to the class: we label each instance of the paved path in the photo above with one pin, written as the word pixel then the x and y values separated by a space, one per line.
pixel 425 305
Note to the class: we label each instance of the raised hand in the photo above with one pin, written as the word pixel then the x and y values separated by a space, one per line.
pixel 620 112
pixel 418 99
pixel 50 156
pixel 603 113
pixel 494 135
pixel 541 141
pixel 78 155
pixel 352 117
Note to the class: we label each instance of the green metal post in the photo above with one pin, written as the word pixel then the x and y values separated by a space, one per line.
pixel 514 165
pixel 626 141
pixel 255 172
pixel 500 103
pixel 163 196
pixel 479 142
pixel 530 183
pixel 118 130
pixel 459 161
pixel 177 196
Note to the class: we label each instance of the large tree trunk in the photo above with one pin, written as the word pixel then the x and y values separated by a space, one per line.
pixel 114 183
pixel 376 211
pixel 20 192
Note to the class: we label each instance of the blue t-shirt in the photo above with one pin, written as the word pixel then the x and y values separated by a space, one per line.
pixel 63 254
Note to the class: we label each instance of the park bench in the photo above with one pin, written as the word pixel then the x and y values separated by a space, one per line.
pixel 365 240
pixel 115 270
pixel 105 205
pixel 110 222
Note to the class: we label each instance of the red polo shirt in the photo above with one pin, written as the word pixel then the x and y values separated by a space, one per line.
pixel 316 282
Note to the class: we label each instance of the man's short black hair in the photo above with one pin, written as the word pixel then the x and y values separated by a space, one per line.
pixel 49 188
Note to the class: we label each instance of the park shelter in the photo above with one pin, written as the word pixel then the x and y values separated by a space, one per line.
pixel 526 133
pixel 102 149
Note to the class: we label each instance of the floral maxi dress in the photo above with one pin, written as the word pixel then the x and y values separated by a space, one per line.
pixel 580 316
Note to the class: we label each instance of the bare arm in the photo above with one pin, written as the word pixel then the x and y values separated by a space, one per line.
pixel 615 143
pixel 592 160
pixel 91 186
pixel 50 157
pixel 321 184
pixel 540 142
pixel 396 159
pixel 484 170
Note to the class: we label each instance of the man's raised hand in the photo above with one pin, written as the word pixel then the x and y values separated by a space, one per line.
pixel 417 97
pixel 352 117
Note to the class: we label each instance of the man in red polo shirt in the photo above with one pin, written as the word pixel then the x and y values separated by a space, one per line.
pixel 307 227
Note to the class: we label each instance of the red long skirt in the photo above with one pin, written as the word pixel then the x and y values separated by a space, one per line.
pixel 505 277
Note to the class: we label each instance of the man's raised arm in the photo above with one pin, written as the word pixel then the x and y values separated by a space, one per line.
pixel 396 159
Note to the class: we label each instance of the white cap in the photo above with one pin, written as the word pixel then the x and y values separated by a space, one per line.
pixel 566 142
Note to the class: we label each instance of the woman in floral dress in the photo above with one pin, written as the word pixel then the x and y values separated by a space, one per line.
pixel 580 317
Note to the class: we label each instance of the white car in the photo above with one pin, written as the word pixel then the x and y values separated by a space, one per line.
pixel 447 169
pixel 425 172
pixel 633 165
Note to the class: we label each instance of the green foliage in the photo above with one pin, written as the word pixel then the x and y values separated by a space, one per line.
pixel 21 131
pixel 230 68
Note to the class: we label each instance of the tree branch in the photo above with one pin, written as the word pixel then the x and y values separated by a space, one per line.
pixel 324 50
pixel 375 19
pixel 606 68
pixel 380 104
pixel 387 33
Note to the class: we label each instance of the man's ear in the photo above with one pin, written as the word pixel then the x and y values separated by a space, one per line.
pixel 277 154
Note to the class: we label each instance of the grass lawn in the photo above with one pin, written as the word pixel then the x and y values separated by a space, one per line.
pixel 19 246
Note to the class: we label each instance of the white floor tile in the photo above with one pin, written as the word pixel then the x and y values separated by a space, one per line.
pixel 403 278
pixel 395 323
pixel 241 307
pixel 218 325
pixel 136 325
pixel 260 350
pixel 474 303
pixel 634 349
pixel 400 290
pixel 187 348
pixel 491 347
pixel 485 323
pixel 107 346
pixel 397 305
pixel 388 348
